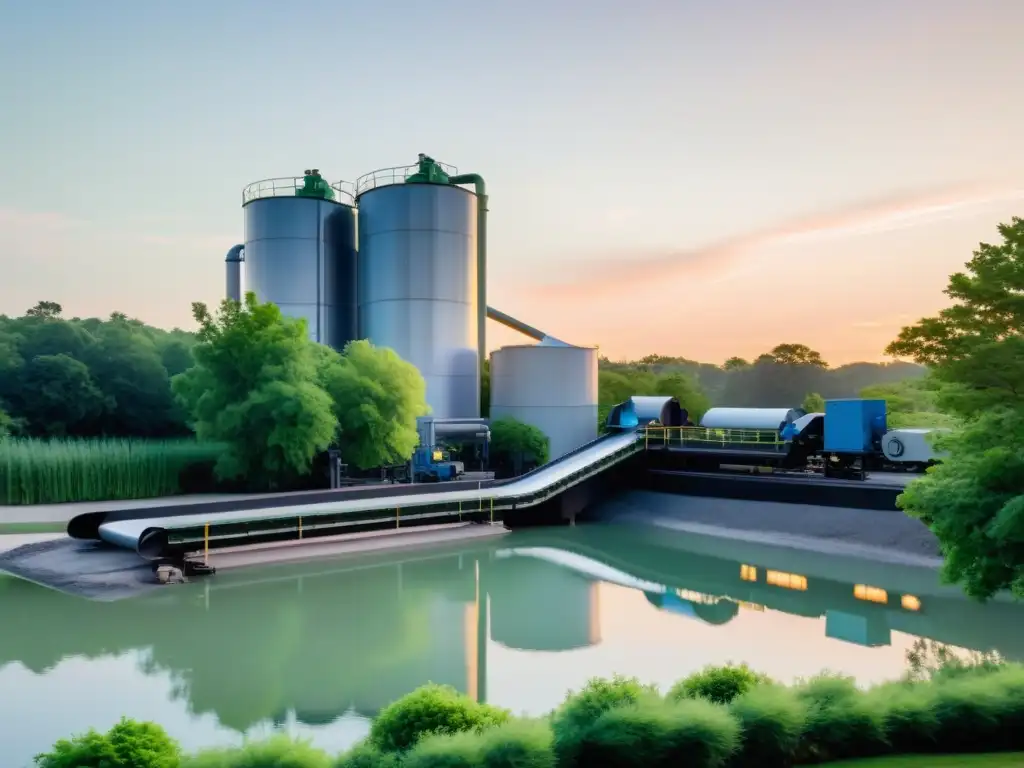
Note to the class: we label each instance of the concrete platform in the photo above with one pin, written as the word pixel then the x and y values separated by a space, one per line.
pixel 97 571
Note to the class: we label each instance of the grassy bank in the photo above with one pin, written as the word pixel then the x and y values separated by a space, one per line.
pixel 725 717
pixel 58 471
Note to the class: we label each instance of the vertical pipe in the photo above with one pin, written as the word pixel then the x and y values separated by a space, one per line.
pixel 233 272
pixel 206 544
pixel 481 259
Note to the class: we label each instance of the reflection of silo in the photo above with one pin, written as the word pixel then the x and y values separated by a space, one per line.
pixel 540 606
pixel 300 254
pixel 552 387
pixel 418 286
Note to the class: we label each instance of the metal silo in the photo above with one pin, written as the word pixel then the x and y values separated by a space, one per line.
pixel 418 280
pixel 553 387
pixel 300 253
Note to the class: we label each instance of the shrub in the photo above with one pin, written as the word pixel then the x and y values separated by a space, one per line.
pixel 717 684
pixel 908 715
pixel 432 708
pixel 771 719
pixel 581 710
pixel 445 750
pixel 129 744
pixel 839 723
pixel 275 752
pixel 977 713
pixel 659 734
pixel 518 744
pixel 366 755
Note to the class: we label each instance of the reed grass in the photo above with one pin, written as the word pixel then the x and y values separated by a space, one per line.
pixel 58 471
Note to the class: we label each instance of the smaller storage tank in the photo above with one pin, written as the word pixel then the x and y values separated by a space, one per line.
pixel 551 386
pixel 749 418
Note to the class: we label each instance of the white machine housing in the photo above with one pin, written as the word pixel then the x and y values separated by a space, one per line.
pixel 909 446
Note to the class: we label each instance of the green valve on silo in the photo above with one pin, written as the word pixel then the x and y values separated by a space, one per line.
pixel 314 185
pixel 429 172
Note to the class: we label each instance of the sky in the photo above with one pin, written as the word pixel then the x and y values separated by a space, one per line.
pixel 683 177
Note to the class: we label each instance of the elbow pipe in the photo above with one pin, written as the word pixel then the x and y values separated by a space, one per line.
pixel 481 258
pixel 233 272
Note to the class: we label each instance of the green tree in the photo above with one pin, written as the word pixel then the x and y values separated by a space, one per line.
pixel 254 388
pixel 377 397
pixel 976 346
pixel 128 370
pixel 516 446
pixel 794 354
pixel 973 502
pixel 736 364
pixel 813 403
pixel 57 396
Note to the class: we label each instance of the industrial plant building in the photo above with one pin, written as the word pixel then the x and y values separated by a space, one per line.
pixel 400 258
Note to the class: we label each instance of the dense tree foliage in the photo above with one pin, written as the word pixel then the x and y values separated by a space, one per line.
pixel 974 501
pixel 255 389
pixel 377 398
pixel 89 377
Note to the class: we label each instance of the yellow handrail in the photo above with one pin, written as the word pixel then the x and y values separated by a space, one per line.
pixel 762 438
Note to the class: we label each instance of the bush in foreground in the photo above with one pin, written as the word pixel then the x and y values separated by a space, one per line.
pixel 582 709
pixel 129 744
pixel 432 709
pixel 621 723
pixel 771 720
pixel 660 734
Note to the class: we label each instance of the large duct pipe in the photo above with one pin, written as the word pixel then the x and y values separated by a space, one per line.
pixel 481 258
pixel 233 271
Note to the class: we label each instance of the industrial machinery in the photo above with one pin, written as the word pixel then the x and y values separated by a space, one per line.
pixel 433 465
pixel 850 438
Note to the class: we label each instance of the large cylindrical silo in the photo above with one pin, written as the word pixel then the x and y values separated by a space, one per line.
pixel 552 387
pixel 300 254
pixel 418 286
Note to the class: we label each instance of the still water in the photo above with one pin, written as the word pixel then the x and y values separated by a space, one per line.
pixel 316 649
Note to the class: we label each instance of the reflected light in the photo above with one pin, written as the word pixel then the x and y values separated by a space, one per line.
pixel 786 580
pixel 750 606
pixel 748 573
pixel 697 597
pixel 911 603
pixel 870 594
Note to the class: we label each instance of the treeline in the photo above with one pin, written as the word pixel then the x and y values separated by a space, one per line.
pixel 75 377
pixel 788 376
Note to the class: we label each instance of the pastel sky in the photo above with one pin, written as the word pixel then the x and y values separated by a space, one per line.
pixel 683 177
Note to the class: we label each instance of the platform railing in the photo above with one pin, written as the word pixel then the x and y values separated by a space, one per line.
pixel 344 191
pixel 703 437
pixel 384 177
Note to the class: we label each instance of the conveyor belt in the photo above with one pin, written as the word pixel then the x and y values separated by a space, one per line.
pixel 156 537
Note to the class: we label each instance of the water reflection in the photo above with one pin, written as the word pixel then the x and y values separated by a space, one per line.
pixel 330 643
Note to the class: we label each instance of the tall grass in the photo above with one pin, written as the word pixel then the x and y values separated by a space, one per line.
pixel 55 471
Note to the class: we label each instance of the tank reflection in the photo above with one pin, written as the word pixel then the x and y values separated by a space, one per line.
pixel 322 639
